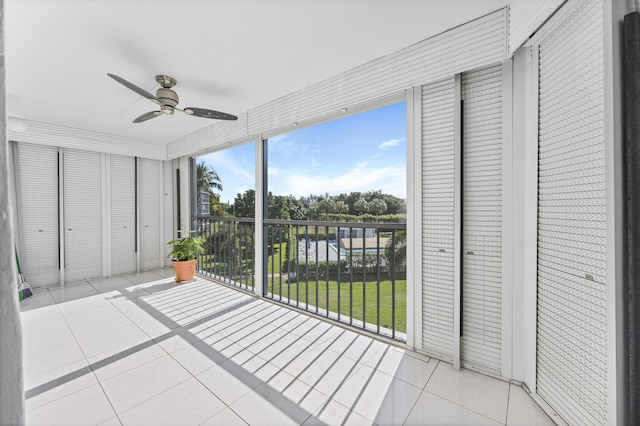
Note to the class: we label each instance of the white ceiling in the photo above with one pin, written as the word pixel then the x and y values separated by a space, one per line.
pixel 227 55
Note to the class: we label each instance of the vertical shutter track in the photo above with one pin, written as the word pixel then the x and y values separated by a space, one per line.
pixel 481 343
pixel 571 340
pixel 38 194
pixel 82 215
pixel 438 128
pixel 184 193
pixel 123 215
pixel 150 203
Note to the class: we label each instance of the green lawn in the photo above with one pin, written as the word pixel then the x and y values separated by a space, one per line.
pixel 351 295
pixel 306 293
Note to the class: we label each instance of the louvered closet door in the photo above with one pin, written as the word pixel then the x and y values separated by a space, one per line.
pixel 571 340
pixel 438 143
pixel 82 215
pixel 481 342
pixel 123 214
pixel 150 205
pixel 37 187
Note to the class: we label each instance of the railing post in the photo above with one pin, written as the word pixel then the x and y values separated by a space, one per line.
pixel 260 270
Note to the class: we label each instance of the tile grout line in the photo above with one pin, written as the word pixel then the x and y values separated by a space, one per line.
pixel 148 362
pixel 89 364
pixel 86 360
pixel 506 415
pixel 423 391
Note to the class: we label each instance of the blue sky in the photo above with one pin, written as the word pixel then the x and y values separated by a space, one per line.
pixel 362 152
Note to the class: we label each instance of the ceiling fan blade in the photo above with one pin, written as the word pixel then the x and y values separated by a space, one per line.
pixel 135 88
pixel 147 116
pixel 208 113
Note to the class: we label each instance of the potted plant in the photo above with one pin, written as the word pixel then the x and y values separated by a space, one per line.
pixel 184 254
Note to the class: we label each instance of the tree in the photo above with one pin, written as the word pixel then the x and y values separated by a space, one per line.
pixel 208 178
pixel 395 205
pixel 297 210
pixel 326 206
pixel 341 208
pixel 313 212
pixel 244 205
pixel 351 200
pixel 361 206
pixel 377 207
pixel 279 207
pixel 216 208
pixel 396 250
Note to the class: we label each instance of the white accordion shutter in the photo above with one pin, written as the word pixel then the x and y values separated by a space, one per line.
pixel 123 214
pixel 82 214
pixel 481 341
pixel 150 205
pixel 572 279
pixel 37 184
pixel 438 143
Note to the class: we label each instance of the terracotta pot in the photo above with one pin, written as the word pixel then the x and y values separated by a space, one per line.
pixel 185 270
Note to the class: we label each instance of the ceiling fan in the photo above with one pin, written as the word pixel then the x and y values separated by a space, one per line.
pixel 168 99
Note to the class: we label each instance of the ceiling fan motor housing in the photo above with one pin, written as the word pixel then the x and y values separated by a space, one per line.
pixel 167 96
pixel 169 100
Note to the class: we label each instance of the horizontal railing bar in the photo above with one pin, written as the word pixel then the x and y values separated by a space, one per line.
pixel 227 219
pixel 319 223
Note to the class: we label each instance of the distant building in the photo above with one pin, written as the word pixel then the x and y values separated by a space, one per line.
pixel 357 232
pixel 204 202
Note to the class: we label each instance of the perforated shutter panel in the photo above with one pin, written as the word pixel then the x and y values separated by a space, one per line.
pixel 571 341
pixel 38 195
pixel 481 341
pixel 82 215
pixel 123 215
pixel 438 143
pixel 149 196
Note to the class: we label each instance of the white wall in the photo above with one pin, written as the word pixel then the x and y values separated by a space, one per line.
pixel 11 385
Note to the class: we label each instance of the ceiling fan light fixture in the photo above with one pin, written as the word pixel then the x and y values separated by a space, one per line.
pixel 168 100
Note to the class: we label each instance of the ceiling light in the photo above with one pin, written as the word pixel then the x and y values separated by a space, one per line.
pixel 343 110
pixel 295 123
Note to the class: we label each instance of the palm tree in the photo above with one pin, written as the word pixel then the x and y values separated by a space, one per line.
pixel 208 178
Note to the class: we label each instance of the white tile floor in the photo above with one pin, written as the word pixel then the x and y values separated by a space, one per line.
pixel 142 350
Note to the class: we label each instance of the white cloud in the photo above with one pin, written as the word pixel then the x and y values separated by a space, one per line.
pixel 222 161
pixel 390 179
pixel 278 138
pixel 236 174
pixel 274 171
pixel 388 145
pixel 378 155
